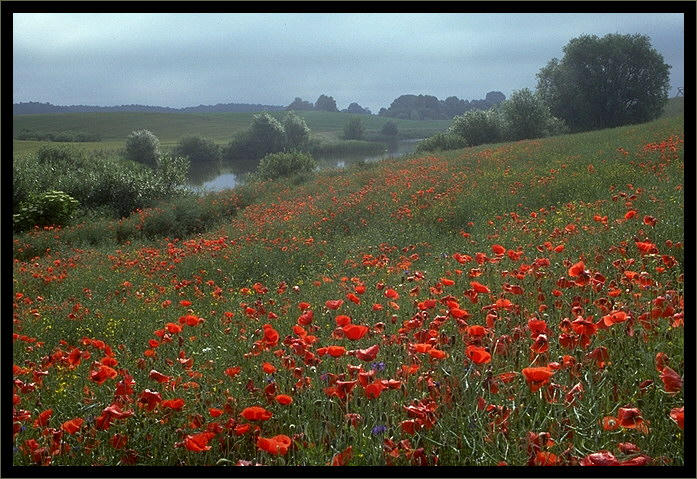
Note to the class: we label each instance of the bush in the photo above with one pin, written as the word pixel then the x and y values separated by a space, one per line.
pixel 48 208
pixel 198 150
pixel 278 165
pixel 354 129
pixel 525 116
pixel 297 132
pixel 389 129
pixel 143 147
pixel 478 127
pixel 442 141
pixel 266 134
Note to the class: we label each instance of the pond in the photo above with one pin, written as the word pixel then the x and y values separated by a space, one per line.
pixel 211 177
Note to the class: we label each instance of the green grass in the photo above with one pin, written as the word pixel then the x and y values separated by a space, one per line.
pixel 113 128
pixel 397 224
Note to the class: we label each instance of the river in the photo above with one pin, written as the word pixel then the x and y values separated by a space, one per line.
pixel 211 177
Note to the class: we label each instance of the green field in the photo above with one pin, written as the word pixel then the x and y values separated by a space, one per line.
pixel 509 304
pixel 113 128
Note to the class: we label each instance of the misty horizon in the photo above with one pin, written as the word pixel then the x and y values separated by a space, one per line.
pixel 184 60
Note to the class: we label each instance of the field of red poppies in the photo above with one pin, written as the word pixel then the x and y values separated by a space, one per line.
pixel 512 304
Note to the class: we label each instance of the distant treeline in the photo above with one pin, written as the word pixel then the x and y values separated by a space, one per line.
pixel 33 107
pixel 427 107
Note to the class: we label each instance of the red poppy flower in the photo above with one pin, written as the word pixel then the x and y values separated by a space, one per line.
pixel 368 354
pixel 353 298
pixel 373 390
pixel 232 372
pixel 600 458
pixel 185 303
pixel 270 335
pixel 334 303
pixel 269 368
pixel 284 399
pixel 72 426
pixel 190 320
pixel 577 269
pixel 42 420
pixel 630 418
pixel 256 413
pixel 459 313
pixel 392 294
pixel 355 331
pixel 610 423
pixel 336 351
pixel 476 330
pixel 447 281
pixel 102 374
pixel 198 442
pixel 498 249
pixel 479 287
pixel 537 377
pixel 173 328
pixel 277 445
pixel 215 412
pixel 149 399
pixel 158 376
pixel 175 404
pixel 544 458
pixel 478 355
pixel 671 380
pixel 421 347
pixel 678 415
pixel 437 354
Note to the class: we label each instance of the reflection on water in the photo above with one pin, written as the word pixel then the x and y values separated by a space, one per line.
pixel 216 177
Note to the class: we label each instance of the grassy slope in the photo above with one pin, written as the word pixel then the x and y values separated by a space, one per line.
pixel 407 214
pixel 113 128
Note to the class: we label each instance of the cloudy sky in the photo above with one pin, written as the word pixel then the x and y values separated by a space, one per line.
pixel 189 59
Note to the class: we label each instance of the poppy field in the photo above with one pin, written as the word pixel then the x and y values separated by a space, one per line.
pixel 510 304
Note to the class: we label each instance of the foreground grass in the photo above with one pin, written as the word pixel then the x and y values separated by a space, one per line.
pixel 401 244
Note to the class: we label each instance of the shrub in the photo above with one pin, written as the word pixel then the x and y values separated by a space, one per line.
pixel 297 132
pixel 354 129
pixel 478 127
pixel 278 165
pixel 266 134
pixel 525 115
pixel 389 129
pixel 143 147
pixel 442 141
pixel 48 208
pixel 198 150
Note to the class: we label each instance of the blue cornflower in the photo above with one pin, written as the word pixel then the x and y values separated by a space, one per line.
pixel 379 430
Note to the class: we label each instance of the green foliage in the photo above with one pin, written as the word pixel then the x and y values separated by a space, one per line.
pixel 279 165
pixel 297 132
pixel 441 141
pixel 300 104
pixel 478 127
pixel 142 147
pixel 95 181
pixel 326 103
pixel 389 129
pixel 354 129
pixel 605 82
pixel 44 209
pixel 525 116
pixel 198 150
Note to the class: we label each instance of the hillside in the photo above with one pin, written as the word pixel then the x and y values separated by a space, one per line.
pixel 462 308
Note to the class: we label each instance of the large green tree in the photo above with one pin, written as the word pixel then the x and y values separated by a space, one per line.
pixel 605 82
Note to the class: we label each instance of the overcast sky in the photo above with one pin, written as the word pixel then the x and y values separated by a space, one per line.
pixel 189 59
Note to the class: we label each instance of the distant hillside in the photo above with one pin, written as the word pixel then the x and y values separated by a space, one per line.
pixel 33 108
